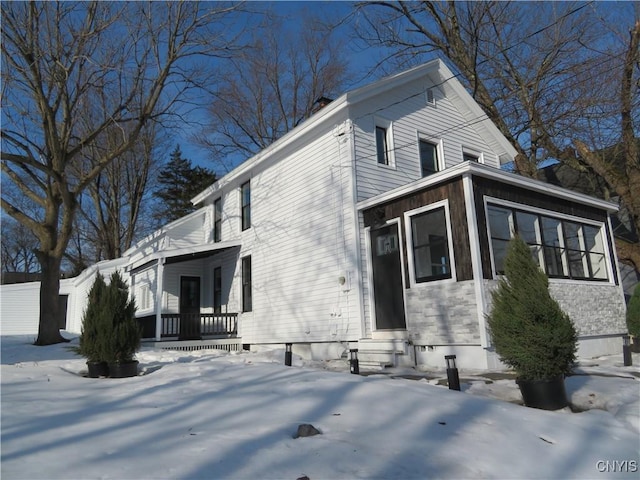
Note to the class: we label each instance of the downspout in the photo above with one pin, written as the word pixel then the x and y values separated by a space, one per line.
pixel 356 254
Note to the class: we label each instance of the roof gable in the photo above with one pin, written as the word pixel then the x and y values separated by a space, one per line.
pixel 435 70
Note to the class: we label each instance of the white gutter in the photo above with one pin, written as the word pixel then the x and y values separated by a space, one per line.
pixel 176 252
pixel 491 173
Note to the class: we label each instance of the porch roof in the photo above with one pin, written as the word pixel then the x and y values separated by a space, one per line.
pixel 473 168
pixel 182 254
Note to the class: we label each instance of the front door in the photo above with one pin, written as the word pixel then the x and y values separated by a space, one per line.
pixel 189 308
pixel 387 278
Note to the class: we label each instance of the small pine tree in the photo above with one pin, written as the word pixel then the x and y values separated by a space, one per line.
pixel 178 183
pixel 633 313
pixel 94 323
pixel 122 340
pixel 530 331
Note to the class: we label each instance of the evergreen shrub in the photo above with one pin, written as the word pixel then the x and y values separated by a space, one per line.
pixel 122 339
pixel 530 331
pixel 94 323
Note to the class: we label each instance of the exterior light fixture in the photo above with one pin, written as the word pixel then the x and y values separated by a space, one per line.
pixel 354 365
pixel 626 350
pixel 452 372
pixel 287 354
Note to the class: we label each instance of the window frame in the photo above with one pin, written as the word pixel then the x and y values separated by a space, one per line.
pixel 245 205
pixel 438 150
pixel 387 126
pixel 217 289
pixel 543 257
pixel 217 220
pixel 146 302
pixel 408 231
pixel 470 154
pixel 246 284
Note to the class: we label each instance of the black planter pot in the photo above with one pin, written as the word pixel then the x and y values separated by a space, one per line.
pixel 123 370
pixel 548 394
pixel 97 369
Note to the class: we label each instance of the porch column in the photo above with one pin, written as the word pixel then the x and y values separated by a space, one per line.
pixel 159 288
pixel 476 258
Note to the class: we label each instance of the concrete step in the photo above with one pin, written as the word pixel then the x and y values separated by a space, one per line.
pixel 392 345
pixel 385 359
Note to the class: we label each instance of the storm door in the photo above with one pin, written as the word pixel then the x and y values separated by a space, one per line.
pixel 189 308
pixel 388 290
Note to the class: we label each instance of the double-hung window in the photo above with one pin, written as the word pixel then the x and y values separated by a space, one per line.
pixel 382 145
pixel 247 300
pixel 217 220
pixel 217 290
pixel 430 245
pixel 245 190
pixel 145 297
pixel 563 248
pixel 429 161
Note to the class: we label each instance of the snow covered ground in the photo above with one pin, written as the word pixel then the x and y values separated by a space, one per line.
pixel 213 415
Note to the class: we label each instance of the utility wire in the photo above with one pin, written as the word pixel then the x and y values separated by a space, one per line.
pixel 493 57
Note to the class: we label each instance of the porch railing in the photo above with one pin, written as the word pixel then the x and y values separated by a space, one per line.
pixel 189 326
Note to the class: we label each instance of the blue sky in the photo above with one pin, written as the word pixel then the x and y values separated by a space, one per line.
pixel 361 59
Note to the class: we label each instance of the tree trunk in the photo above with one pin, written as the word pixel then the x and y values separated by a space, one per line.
pixel 48 329
pixel 628 253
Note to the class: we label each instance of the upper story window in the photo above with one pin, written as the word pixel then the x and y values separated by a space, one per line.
pixel 430 244
pixel 382 145
pixel 217 220
pixel 384 142
pixel 470 157
pixel 563 248
pixel 245 190
pixel 429 161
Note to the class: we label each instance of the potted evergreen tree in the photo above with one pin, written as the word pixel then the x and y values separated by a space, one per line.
pixel 530 331
pixel 94 323
pixel 122 339
pixel 633 318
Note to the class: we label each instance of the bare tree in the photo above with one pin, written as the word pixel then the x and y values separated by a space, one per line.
pixel 117 194
pixel 557 79
pixel 18 248
pixel 133 60
pixel 272 86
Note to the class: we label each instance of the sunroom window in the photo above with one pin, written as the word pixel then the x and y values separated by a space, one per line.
pixel 562 248
pixel 431 257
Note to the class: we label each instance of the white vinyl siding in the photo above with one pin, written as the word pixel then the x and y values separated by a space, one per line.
pixel 144 289
pixel 226 261
pixel 302 225
pixel 191 232
pixel 411 116
pixel 20 308
pixel 172 274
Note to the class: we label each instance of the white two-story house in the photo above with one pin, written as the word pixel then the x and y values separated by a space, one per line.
pixel 380 223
